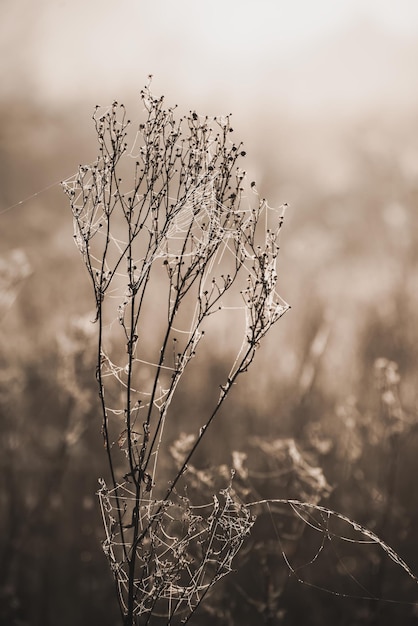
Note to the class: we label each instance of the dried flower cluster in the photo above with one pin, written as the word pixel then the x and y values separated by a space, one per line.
pixel 182 227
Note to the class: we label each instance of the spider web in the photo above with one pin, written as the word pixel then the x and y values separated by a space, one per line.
pixel 199 215
pixel 186 550
pixel 333 529
pixel 169 231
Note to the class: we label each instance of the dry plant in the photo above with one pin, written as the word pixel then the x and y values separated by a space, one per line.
pixel 170 238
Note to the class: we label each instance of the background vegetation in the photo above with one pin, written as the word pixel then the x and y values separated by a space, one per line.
pixel 348 266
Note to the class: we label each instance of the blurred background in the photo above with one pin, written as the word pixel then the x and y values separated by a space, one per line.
pixel 324 96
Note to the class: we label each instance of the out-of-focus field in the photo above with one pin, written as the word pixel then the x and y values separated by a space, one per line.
pixel 348 268
pixel 337 374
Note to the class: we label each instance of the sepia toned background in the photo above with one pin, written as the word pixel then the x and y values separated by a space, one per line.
pixel 324 96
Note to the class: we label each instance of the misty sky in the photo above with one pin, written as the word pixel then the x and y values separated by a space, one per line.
pixel 235 51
